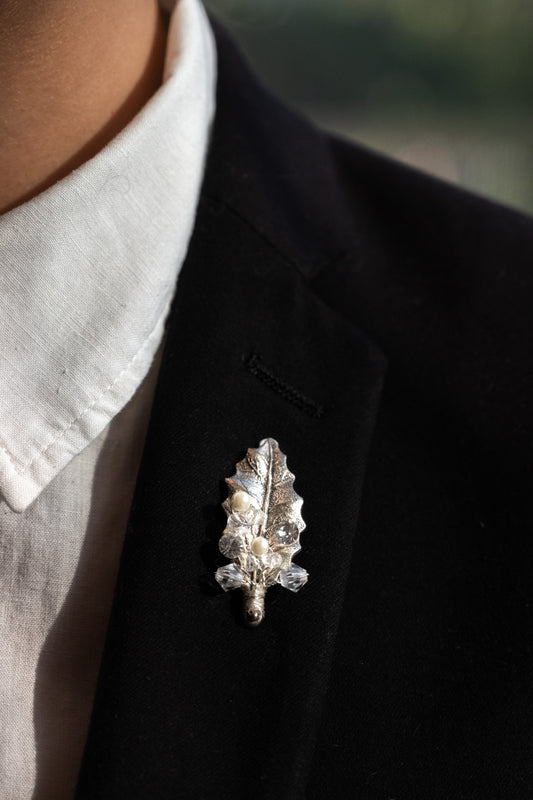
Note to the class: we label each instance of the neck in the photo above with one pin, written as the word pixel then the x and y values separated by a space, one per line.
pixel 73 75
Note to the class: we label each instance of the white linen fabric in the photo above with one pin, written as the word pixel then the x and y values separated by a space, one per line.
pixel 88 271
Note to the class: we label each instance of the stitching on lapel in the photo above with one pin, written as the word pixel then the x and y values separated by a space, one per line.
pixel 257 367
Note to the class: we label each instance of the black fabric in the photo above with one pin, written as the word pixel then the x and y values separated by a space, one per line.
pixel 376 323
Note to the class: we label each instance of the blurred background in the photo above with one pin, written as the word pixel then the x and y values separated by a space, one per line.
pixel 442 85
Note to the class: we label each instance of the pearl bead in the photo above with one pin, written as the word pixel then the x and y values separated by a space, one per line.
pixel 241 501
pixel 259 546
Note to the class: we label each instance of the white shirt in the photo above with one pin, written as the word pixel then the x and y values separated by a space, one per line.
pixel 88 271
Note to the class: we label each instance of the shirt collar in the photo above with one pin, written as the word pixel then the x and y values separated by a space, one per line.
pixel 89 269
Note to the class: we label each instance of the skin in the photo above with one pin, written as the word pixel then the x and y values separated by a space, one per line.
pixel 72 74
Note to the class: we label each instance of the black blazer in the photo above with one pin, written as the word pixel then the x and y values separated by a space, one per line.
pixel 376 322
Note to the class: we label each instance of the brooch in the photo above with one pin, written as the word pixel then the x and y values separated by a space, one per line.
pixel 263 529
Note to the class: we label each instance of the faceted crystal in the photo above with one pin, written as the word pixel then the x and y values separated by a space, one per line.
pixel 252 516
pixel 286 533
pixel 236 528
pixel 258 516
pixel 229 577
pixel 231 546
pixel 293 578
pixel 250 563
pixel 272 560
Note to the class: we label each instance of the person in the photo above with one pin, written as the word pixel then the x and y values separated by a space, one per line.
pixel 183 275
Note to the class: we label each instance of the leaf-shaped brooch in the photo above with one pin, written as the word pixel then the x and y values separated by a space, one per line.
pixel 263 529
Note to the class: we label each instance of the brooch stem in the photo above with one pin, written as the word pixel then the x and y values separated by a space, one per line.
pixel 254 605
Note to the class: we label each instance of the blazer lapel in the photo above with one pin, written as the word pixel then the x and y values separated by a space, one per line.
pixel 190 703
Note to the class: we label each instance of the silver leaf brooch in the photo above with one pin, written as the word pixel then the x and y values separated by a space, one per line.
pixel 263 529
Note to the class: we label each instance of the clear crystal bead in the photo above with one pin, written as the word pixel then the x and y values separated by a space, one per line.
pixel 252 516
pixel 272 560
pixel 250 563
pixel 244 533
pixel 236 528
pixel 229 577
pixel 293 578
pixel 286 533
pixel 231 546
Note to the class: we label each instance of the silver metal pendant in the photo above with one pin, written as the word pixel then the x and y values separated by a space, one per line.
pixel 263 529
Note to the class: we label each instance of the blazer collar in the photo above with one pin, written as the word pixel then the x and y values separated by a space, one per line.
pixel 190 703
